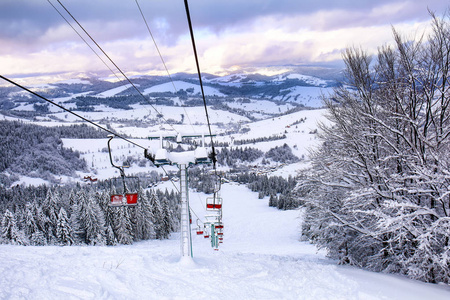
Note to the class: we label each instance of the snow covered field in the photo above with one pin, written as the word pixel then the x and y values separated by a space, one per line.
pixel 261 258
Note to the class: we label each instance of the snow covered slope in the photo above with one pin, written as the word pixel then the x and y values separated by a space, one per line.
pixel 261 258
pixel 195 88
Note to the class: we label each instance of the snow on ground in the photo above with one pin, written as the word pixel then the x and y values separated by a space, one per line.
pixel 308 79
pixel 229 80
pixel 114 91
pixel 263 106
pixel 30 181
pixel 261 258
pixel 300 137
pixel 194 115
pixel 168 87
pixel 307 95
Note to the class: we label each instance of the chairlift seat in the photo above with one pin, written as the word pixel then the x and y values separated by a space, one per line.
pixel 132 198
pixel 116 200
pixel 214 206
pixel 128 199
pixel 213 203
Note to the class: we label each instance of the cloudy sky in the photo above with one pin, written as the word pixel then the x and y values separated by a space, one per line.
pixel 231 35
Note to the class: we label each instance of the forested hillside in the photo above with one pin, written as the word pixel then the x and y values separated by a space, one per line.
pixel 37 151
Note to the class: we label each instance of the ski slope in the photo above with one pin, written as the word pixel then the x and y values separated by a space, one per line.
pixel 261 258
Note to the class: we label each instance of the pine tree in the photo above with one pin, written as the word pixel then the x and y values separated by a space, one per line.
pixel 38 239
pixel 10 231
pixel 110 236
pixel 30 224
pixel 144 224
pixel 89 220
pixel 123 228
pixel 280 202
pixel 166 226
pixel 50 207
pixel 273 201
pixel 64 232
pixel 36 224
pixel 157 215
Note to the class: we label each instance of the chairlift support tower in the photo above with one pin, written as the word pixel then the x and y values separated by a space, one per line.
pixel 183 160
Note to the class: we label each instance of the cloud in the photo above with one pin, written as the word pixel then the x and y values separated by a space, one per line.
pixel 229 34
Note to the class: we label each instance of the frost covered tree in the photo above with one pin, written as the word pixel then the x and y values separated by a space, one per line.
pixel 64 232
pixel 89 225
pixel 157 215
pixel 144 225
pixel 378 191
pixel 123 226
pixel 10 230
pixel 166 224
pixel 29 222
pixel 35 215
pixel 110 236
pixel 50 207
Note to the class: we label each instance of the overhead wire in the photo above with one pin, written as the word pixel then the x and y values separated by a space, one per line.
pixel 115 65
pixel 129 81
pixel 79 116
pixel 162 59
pixel 84 40
pixel 71 112
pixel 214 159
pixel 107 67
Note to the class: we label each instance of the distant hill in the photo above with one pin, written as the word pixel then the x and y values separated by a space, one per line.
pixel 301 88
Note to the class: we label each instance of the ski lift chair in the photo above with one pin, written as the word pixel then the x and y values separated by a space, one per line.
pixel 213 203
pixel 199 230
pixel 124 197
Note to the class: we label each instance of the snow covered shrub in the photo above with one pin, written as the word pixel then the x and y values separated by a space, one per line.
pixel 377 195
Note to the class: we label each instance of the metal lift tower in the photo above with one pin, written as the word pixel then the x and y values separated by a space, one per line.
pixel 183 160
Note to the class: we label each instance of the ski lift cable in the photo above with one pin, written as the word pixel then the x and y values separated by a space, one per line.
pixel 201 202
pixel 167 174
pixel 111 72
pixel 81 117
pixel 116 66
pixel 67 21
pixel 201 83
pixel 156 46
pixel 162 60
pixel 84 40
pixel 71 112
pixel 198 219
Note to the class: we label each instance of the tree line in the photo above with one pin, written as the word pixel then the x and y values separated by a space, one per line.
pixel 38 151
pixel 82 215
